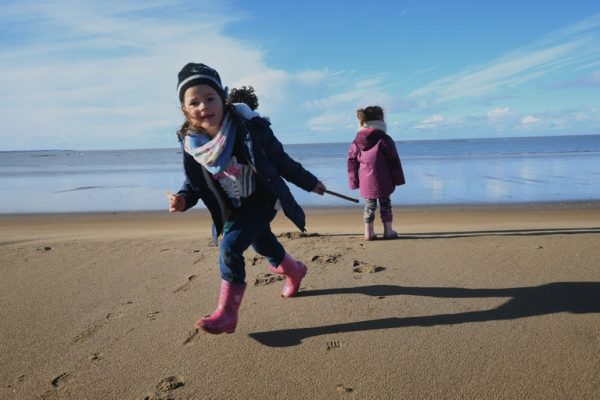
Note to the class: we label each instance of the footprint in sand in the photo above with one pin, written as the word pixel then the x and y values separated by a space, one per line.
pixel 99 324
pixel 165 388
pixel 186 285
pixel 114 315
pixel 58 384
pixel 198 260
pixel 364 268
pixel 297 235
pixel 343 390
pixel 94 358
pixel 255 260
pixel 17 382
pixel 329 259
pixel 88 332
pixel 152 315
pixel 60 379
pixel 170 383
pixel 265 279
pixel 335 344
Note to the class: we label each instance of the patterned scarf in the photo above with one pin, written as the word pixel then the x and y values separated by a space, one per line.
pixel 213 154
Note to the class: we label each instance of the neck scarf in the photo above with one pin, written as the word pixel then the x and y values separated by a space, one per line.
pixel 380 125
pixel 214 154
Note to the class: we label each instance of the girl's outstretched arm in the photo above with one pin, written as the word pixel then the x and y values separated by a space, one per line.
pixel 176 202
pixel 287 167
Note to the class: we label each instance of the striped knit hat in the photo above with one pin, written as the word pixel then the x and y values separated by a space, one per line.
pixel 195 74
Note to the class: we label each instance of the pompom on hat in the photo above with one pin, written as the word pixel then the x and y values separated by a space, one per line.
pixel 193 74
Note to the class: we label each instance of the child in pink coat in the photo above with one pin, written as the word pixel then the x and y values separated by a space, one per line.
pixel 374 167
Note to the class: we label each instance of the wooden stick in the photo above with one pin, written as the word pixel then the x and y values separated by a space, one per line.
pixel 341 196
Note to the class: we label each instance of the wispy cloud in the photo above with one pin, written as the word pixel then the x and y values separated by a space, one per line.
pixel 103 74
pixel 498 112
pixel 328 122
pixel 509 122
pixel 576 45
pixel 88 74
pixel 433 122
pixel 591 82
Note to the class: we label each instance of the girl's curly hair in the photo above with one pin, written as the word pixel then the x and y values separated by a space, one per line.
pixel 245 95
pixel 183 130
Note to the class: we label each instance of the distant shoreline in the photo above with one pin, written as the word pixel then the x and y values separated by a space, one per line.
pixel 457 139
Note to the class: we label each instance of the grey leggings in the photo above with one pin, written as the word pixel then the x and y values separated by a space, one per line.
pixel 385 210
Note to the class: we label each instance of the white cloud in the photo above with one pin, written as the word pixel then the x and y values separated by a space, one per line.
pixel 311 77
pixel 498 112
pixel 90 72
pixel 337 100
pixel 328 122
pixel 103 75
pixel 359 90
pixel 432 122
pixel 529 120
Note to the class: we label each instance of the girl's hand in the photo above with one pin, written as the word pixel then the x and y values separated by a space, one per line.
pixel 176 202
pixel 319 188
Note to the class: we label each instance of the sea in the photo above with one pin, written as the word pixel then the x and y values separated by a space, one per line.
pixel 491 171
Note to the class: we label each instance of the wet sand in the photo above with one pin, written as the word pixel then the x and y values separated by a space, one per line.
pixel 470 302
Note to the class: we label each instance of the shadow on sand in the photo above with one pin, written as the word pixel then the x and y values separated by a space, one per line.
pixel 572 297
pixel 468 234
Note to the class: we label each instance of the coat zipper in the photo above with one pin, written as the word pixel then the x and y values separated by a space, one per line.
pixel 211 185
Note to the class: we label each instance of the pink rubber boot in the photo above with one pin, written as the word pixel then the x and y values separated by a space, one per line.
pixel 225 317
pixel 388 232
pixel 370 231
pixel 294 271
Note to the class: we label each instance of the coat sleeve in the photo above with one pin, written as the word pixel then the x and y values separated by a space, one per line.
pixel 191 199
pixel 353 164
pixel 186 190
pixel 393 161
pixel 291 170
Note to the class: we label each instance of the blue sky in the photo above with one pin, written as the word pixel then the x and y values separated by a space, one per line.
pixel 102 75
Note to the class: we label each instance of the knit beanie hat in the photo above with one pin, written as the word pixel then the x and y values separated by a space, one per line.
pixel 195 74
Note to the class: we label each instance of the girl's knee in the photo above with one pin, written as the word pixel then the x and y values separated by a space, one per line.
pixel 229 256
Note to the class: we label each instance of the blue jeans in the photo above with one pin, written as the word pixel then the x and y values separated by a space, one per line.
pixel 251 227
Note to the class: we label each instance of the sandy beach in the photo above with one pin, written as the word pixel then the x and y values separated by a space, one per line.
pixel 471 302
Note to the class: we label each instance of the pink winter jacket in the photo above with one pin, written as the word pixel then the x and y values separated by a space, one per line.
pixel 373 164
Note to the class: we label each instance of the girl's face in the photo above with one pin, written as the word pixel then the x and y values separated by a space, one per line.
pixel 203 109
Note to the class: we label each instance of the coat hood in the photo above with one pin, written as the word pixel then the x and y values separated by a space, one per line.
pixel 368 137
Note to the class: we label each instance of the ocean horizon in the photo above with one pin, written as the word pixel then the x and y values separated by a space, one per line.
pixel 438 172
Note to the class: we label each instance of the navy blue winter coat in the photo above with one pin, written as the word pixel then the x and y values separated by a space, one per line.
pixel 270 162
